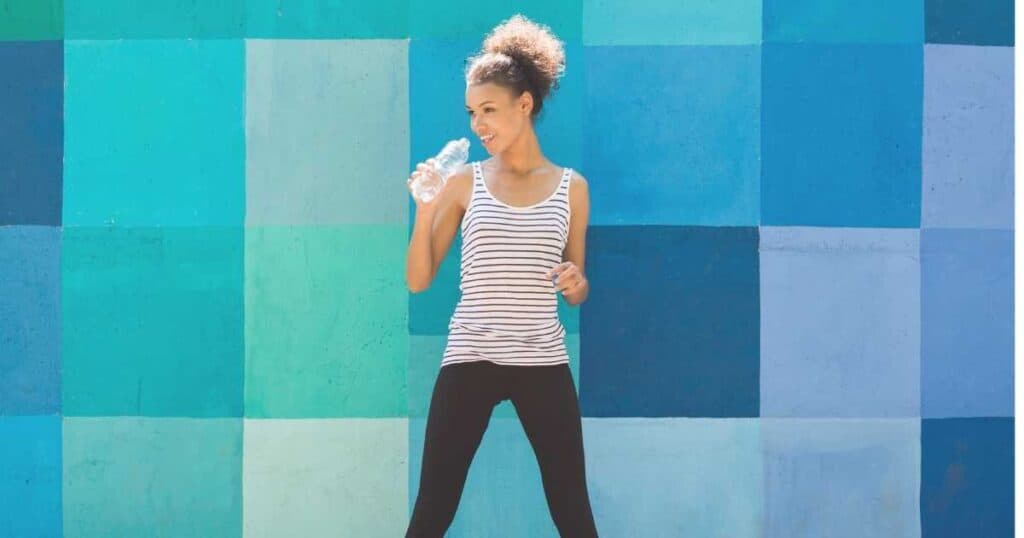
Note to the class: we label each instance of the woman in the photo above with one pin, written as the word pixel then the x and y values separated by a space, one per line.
pixel 523 221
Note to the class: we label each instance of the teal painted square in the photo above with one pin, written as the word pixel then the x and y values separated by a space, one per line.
pixel 843 21
pixel 154 19
pixel 670 22
pixel 437 104
pixel 152 321
pixel 327 19
pixel 425 354
pixel 154 133
pixel 460 19
pixel 503 494
pixel 26 20
pixel 143 477
pixel 327 132
pixel 325 477
pixel 675 476
pixel 325 322
pixel 30 476
pixel 682 143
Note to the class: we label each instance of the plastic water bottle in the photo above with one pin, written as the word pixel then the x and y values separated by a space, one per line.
pixel 454 155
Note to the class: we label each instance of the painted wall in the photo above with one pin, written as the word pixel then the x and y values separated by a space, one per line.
pixel 800 322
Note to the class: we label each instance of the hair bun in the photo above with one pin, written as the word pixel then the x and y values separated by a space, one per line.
pixel 533 46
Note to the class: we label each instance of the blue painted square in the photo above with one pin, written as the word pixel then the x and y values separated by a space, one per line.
pixel 671 324
pixel 967 319
pixel 30 320
pixel 155 133
pixel 31 132
pixel 437 104
pixel 967 469
pixel 680 142
pixel 969 22
pixel 841 134
pixel 967 155
pixel 30 476
pixel 841 478
pixel 840 322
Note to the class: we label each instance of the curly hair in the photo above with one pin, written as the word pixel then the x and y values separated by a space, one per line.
pixel 520 55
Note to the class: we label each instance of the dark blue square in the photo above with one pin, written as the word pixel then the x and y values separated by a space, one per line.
pixel 672 323
pixel 31 132
pixel 967 477
pixel 969 22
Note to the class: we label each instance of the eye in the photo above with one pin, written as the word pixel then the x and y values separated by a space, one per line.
pixel 488 109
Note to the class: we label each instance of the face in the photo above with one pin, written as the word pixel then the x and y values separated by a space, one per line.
pixel 496 116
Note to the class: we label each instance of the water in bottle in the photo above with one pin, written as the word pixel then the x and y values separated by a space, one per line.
pixel 446 163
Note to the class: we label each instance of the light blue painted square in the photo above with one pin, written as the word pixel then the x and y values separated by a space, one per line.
pixel 425 355
pixel 841 135
pixel 674 476
pixel 670 22
pixel 327 132
pixel 840 322
pixel 841 478
pixel 503 494
pixel 30 320
pixel 673 135
pixel 30 476
pixel 325 477
pixel 438 114
pixel 968 157
pixel 967 323
pixel 154 132
pixel 137 477
pixel 843 21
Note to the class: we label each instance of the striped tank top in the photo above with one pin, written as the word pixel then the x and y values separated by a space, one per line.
pixel 508 311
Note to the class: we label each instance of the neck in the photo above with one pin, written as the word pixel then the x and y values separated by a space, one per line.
pixel 523 156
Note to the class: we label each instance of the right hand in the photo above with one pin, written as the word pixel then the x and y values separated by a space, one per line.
pixel 423 168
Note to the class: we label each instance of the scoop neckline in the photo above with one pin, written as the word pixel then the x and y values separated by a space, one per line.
pixel 558 187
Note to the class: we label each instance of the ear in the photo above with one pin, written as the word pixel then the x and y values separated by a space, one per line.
pixel 526 102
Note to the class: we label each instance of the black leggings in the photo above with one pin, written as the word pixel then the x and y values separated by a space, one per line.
pixel 460 409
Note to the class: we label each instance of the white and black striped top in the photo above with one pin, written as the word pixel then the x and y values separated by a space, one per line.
pixel 508 310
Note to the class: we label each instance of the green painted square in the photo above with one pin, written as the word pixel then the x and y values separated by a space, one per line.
pixel 326 477
pixel 152 321
pixel 456 19
pixel 670 22
pixel 325 321
pixel 327 132
pixel 153 19
pixel 144 477
pixel 322 19
pixel 26 20
pixel 425 354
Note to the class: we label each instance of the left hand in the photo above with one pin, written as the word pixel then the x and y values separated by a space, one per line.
pixel 570 278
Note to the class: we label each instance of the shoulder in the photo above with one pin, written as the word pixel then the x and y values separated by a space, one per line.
pixel 578 186
pixel 460 185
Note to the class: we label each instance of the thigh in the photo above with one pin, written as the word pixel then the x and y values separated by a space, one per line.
pixel 547 403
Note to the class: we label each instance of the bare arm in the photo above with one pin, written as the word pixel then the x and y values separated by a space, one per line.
pixel 576 244
pixel 434 230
